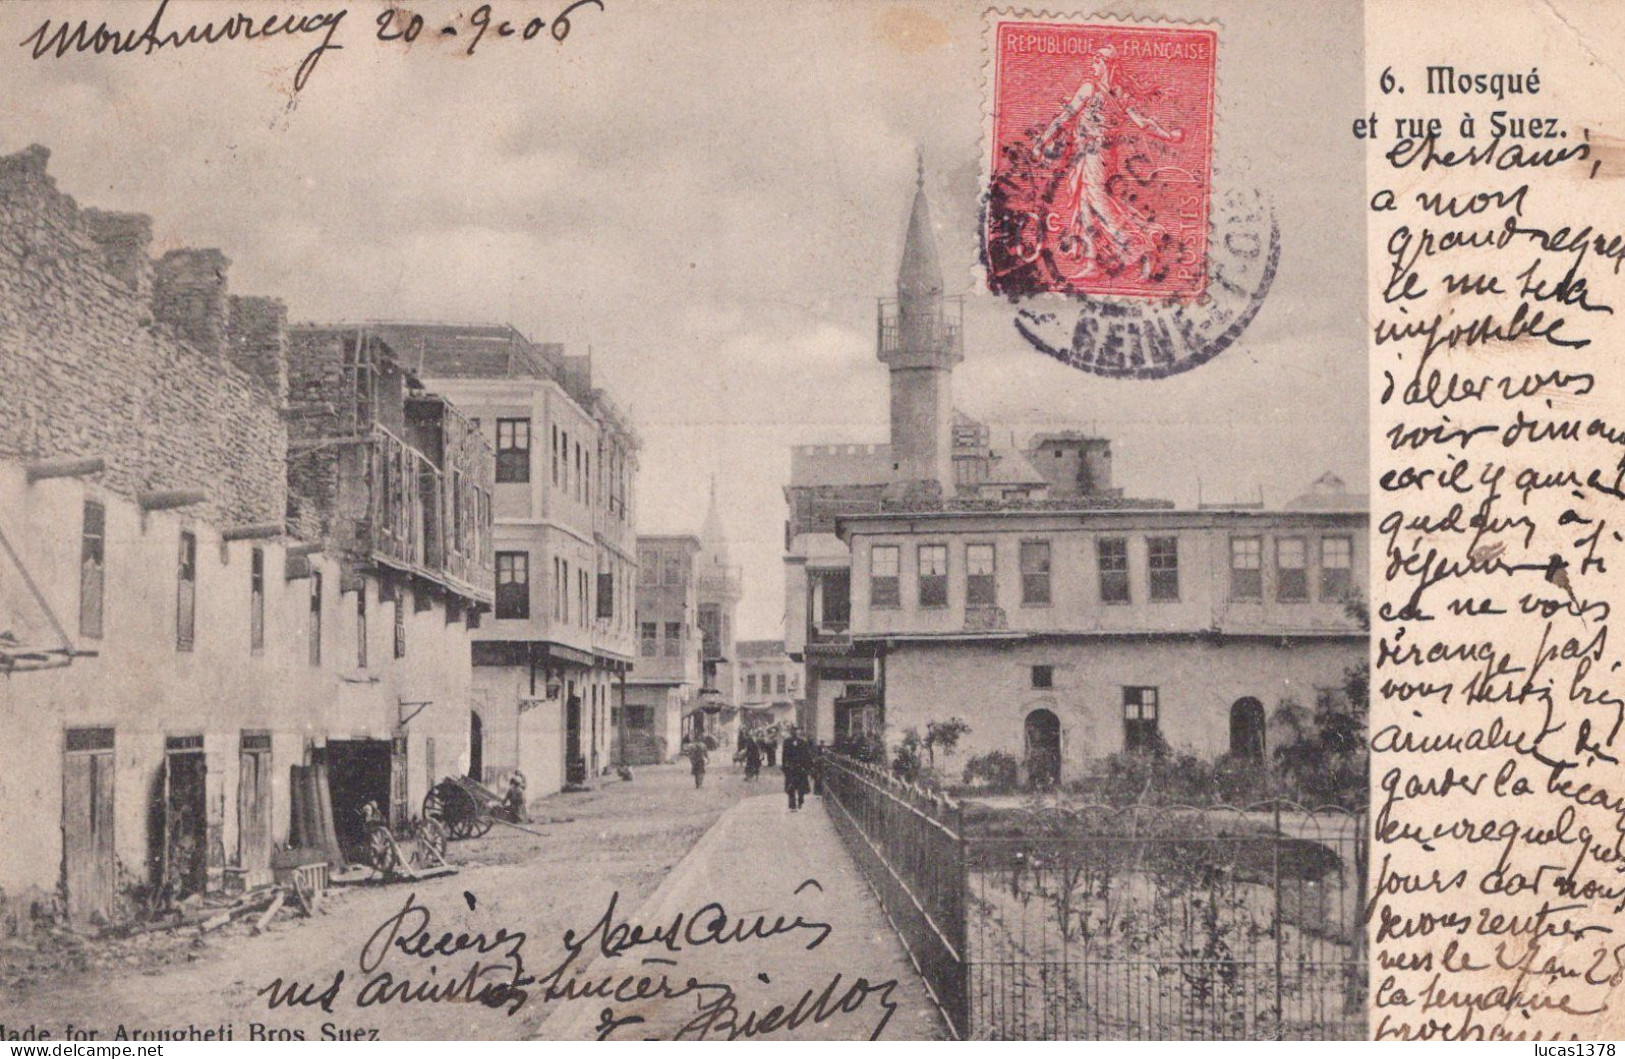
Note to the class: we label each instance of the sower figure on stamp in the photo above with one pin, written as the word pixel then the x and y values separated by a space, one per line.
pixel 1098 218
pixel 797 768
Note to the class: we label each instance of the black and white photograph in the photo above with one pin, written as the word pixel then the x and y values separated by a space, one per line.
pixel 622 520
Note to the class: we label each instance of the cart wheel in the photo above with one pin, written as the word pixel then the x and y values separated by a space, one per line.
pixel 431 845
pixel 434 807
pixel 380 851
pixel 479 826
pixel 458 828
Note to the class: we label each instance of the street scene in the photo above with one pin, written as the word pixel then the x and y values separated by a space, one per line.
pixel 444 608
pixel 635 841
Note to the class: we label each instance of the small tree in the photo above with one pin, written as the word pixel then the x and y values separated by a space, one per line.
pixel 905 763
pixel 1324 757
pixel 944 736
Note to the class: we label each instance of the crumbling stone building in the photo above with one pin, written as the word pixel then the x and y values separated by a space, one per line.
pixel 200 592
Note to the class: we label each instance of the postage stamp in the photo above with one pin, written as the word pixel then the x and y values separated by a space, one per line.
pixel 1101 162
pixel 1139 338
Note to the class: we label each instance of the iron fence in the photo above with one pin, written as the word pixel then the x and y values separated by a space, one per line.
pixel 911 847
pixel 1101 922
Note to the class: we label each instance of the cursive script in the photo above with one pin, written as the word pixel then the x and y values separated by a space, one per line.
pixel 1498 708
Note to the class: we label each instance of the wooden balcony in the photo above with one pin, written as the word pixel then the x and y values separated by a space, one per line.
pixel 410 516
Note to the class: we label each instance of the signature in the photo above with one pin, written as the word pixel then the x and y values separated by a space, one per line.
pixel 710 924
pixel 719 1015
pixel 407 959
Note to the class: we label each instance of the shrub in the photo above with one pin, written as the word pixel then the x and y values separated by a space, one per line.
pixel 995 772
pixel 1163 777
pixel 930 779
pixel 1239 781
pixel 905 763
pixel 867 748
pixel 1322 757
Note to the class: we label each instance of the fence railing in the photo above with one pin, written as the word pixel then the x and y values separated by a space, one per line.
pixel 1169 922
pixel 911 848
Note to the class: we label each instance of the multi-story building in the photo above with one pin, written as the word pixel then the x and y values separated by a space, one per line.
pixel 395 483
pixel 942 575
pixel 769 684
pixel 662 691
pixel 720 589
pixel 233 552
pixel 1062 634
pixel 935 452
pixel 551 661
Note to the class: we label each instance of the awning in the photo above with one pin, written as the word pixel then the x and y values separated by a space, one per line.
pixel 615 663
pixel 554 652
pixel 528 653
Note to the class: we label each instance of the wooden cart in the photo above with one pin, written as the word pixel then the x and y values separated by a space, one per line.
pixel 465 808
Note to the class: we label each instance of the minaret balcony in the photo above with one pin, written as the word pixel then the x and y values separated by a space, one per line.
pixel 909 335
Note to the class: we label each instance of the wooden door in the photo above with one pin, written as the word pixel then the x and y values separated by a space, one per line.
pixel 88 865
pixel 476 747
pixel 214 821
pixel 254 802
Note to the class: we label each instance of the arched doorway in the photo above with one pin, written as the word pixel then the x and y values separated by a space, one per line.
pixel 476 747
pixel 1247 729
pixel 1043 732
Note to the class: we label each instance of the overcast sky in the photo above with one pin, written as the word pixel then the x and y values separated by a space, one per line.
pixel 711 197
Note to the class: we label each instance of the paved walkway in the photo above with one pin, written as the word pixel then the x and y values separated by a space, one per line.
pixel 774 873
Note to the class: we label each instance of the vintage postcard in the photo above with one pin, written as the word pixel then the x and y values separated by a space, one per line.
pixel 594 520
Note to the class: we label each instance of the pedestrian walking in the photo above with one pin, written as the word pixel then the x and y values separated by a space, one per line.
pixel 797 769
pixel 698 758
pixel 771 745
pixel 753 759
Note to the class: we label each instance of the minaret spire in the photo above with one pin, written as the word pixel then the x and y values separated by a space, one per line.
pixel 920 274
pixel 713 538
pixel 919 341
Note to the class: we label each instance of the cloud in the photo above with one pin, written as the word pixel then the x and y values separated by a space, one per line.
pixel 711 197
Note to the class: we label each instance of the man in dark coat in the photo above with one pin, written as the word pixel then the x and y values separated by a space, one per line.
pixel 797 769
pixel 698 756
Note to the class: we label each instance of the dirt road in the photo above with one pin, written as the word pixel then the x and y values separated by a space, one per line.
pixel 622 838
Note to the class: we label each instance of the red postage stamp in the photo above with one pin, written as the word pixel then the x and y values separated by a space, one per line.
pixel 1102 158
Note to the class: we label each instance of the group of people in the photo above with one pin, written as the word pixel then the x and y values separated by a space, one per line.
pixel 755 748
pixel 799 765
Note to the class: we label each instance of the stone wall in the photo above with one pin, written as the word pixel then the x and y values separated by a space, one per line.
pixel 315 380
pixel 93 366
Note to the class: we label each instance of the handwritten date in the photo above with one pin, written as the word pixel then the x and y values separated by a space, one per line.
pixel 396 24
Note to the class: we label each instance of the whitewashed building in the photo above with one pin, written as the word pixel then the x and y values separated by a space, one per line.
pixel 1063 633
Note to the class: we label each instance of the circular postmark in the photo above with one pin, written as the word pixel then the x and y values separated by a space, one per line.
pixel 1152 338
pixel 1103 217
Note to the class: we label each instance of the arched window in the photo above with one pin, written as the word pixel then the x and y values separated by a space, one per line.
pixel 1043 731
pixel 1247 729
